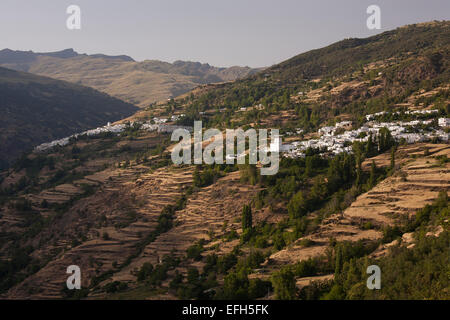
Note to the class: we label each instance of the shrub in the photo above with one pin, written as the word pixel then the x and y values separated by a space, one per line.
pixel 145 271
pixel 194 252
pixel 115 286
pixel 283 283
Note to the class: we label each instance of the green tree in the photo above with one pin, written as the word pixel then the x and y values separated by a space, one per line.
pixel 283 283
pixel 193 275
pixel 372 176
pixel 338 261
pixel 297 206
pixel 392 159
pixel 246 218
pixel 145 271
pixel 309 166
pixel 336 293
pixel 236 286
pixel 370 147
pixel 385 139
pixel 318 191
pixel 358 157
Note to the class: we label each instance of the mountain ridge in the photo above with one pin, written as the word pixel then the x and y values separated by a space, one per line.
pixel 10 56
pixel 140 83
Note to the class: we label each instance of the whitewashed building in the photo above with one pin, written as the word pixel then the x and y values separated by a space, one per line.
pixel 444 122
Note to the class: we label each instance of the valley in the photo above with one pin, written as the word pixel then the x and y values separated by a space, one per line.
pixel 363 179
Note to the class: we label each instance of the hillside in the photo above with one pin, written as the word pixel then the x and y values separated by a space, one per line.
pixel 140 83
pixel 37 109
pixel 142 228
pixel 350 54
pixel 350 78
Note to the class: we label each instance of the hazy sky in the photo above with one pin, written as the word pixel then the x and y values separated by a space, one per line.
pixel 221 32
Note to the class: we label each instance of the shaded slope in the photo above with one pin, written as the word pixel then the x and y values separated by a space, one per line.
pixel 37 109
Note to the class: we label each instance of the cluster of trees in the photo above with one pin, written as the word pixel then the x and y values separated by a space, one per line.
pixel 195 251
pixel 307 185
pixel 154 275
pixel 16 269
pixel 418 272
pixel 115 286
pixel 274 87
pixel 284 284
pixel 206 176
pixel 236 282
pixel 415 273
pixel 313 184
pixel 203 284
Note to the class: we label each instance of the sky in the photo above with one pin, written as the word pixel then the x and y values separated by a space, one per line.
pixel 255 33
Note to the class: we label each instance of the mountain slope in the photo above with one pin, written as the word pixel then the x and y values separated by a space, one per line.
pixel 140 227
pixel 349 78
pixel 38 109
pixel 140 83
pixel 350 54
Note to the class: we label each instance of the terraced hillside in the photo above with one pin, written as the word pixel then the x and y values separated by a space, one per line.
pixel 104 215
pixel 203 218
pixel 141 228
pixel 417 182
pixel 125 230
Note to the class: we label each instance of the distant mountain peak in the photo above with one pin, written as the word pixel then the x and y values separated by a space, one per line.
pixel 66 53
pixel 120 57
pixel 17 56
pixel 140 83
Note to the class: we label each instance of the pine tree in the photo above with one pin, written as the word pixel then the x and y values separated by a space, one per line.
pixel 392 158
pixel 318 191
pixel 246 218
pixel 385 139
pixel 309 166
pixel 338 261
pixel 357 148
pixel 297 206
pixel 373 169
pixel 358 169
pixel 370 146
